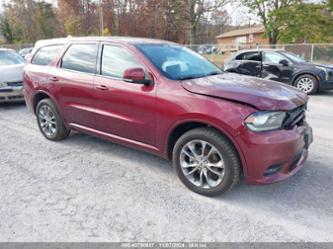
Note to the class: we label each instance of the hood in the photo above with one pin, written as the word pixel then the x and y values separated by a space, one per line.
pixel 262 94
pixel 13 73
pixel 311 65
pixel 325 66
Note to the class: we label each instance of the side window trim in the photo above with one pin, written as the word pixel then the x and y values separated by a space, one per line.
pixel 59 63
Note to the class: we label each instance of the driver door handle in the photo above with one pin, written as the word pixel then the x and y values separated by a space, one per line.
pixel 266 65
pixel 102 87
pixel 54 79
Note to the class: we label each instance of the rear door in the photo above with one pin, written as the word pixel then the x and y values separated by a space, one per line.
pixel 124 109
pixel 72 82
pixel 249 63
pixel 40 67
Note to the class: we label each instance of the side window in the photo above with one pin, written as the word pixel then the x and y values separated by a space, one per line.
pixel 46 55
pixel 249 56
pixel 81 58
pixel 115 60
pixel 273 57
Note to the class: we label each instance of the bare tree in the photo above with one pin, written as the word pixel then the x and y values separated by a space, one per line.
pixel 197 9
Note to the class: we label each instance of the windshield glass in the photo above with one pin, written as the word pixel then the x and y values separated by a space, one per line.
pixel 294 57
pixel 10 58
pixel 177 62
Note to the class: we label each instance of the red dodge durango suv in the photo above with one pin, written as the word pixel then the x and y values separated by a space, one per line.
pixel 165 99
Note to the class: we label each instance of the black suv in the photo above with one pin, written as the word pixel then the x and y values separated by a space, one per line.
pixel 282 66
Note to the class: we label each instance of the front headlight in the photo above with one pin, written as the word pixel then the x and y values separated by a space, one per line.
pixel 325 71
pixel 265 121
pixel 3 84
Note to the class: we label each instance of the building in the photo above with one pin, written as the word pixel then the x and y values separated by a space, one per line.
pixel 249 36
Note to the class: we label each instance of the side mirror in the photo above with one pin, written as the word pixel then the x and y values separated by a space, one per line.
pixel 284 63
pixel 136 76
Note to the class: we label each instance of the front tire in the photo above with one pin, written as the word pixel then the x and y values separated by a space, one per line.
pixel 206 162
pixel 50 122
pixel 307 83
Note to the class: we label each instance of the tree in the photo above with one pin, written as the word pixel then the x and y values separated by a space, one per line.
pixel 330 5
pixel 304 22
pixel 197 9
pixel 46 21
pixel 6 30
pixel 78 17
pixel 266 10
pixel 177 20
pixel 28 21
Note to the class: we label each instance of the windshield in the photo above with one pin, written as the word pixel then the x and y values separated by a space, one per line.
pixel 294 57
pixel 10 58
pixel 177 62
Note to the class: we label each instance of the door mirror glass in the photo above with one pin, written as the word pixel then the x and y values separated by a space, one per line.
pixel 284 62
pixel 136 75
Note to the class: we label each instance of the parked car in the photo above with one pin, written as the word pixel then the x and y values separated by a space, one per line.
pixel 165 99
pixel 207 49
pixel 25 51
pixel 282 66
pixel 11 76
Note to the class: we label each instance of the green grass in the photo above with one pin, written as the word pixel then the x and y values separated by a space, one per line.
pixel 218 59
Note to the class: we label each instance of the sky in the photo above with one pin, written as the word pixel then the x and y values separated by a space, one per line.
pixel 239 14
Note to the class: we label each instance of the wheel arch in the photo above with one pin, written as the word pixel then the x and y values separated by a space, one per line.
pixel 40 95
pixel 304 73
pixel 185 126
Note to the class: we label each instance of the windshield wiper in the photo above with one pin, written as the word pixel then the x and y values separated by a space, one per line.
pixel 213 73
pixel 187 77
pixel 190 77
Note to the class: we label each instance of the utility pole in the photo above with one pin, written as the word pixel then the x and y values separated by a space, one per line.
pixel 101 18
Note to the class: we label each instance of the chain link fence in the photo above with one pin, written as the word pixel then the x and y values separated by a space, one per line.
pixel 218 53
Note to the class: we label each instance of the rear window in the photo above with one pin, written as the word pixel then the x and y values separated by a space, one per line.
pixel 46 55
pixel 10 58
pixel 81 58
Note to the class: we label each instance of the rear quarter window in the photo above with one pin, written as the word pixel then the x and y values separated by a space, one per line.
pixel 46 55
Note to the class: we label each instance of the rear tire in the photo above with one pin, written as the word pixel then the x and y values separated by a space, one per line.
pixel 50 122
pixel 307 83
pixel 206 162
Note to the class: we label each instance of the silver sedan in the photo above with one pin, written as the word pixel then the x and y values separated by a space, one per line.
pixel 11 76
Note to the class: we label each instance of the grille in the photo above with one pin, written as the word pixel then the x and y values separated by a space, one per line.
pixel 295 117
pixel 17 83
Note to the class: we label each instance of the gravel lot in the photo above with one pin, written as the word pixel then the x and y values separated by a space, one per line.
pixel 87 189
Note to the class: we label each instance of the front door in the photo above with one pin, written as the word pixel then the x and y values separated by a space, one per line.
pixel 272 68
pixel 124 109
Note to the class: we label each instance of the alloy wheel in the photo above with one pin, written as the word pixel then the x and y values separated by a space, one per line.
pixel 47 120
pixel 202 164
pixel 306 85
